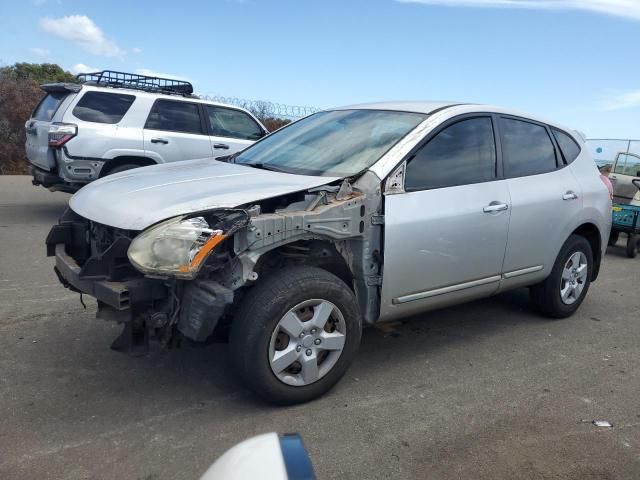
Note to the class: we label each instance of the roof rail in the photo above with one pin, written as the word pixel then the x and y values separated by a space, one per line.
pixel 111 78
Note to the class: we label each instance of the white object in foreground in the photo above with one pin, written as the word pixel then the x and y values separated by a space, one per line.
pixel 267 457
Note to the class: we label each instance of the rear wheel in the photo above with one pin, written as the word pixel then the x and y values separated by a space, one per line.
pixel 613 238
pixel 560 295
pixel 633 244
pixel 295 334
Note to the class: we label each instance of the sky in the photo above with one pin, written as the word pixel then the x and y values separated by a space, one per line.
pixel 572 61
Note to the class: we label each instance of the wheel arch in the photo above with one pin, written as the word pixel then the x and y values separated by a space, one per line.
pixel 320 253
pixel 592 234
pixel 123 160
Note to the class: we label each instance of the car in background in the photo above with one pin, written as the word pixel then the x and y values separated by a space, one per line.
pixel 625 170
pixel 605 150
pixel 620 161
pixel 110 121
pixel 348 217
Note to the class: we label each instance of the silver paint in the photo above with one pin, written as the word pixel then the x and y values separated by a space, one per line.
pixel 136 199
pixel 441 246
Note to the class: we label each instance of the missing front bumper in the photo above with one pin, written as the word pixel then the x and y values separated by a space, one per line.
pixel 119 295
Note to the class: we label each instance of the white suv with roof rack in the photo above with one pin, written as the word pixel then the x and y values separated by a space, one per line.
pixel 113 121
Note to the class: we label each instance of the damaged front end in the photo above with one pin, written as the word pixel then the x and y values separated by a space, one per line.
pixel 184 277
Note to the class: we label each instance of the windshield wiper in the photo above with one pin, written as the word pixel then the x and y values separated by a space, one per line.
pixel 263 166
pixel 228 158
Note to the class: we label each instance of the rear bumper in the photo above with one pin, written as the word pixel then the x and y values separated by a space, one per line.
pixel 44 178
pixel 77 169
pixel 52 181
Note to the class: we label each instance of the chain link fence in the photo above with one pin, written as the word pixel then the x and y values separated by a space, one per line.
pixel 263 109
pixel 605 150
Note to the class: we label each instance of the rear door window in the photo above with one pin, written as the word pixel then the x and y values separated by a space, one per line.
pixel 227 122
pixel 570 149
pixel 175 116
pixel 48 106
pixel 103 107
pixel 461 154
pixel 527 148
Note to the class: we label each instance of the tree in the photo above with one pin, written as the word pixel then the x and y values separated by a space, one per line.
pixel 273 124
pixel 19 95
pixel 38 73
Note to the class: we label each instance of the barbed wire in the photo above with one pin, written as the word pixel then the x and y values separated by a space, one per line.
pixel 263 109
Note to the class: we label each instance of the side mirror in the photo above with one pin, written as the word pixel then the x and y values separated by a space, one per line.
pixel 269 456
pixel 258 136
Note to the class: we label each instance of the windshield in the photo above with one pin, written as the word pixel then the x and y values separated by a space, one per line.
pixel 337 143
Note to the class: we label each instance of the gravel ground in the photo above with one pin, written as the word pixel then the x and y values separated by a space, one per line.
pixel 486 390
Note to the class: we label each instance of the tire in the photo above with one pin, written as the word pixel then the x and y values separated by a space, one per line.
pixel 122 168
pixel 632 245
pixel 613 238
pixel 546 297
pixel 257 334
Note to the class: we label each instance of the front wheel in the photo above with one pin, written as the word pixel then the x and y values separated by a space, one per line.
pixel 560 295
pixel 295 334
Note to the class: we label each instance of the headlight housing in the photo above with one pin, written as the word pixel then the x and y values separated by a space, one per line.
pixel 177 247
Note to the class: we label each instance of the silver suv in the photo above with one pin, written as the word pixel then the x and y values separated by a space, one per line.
pixel 346 218
pixel 112 121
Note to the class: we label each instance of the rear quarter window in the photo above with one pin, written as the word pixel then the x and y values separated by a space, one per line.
pixel 570 149
pixel 103 107
pixel 48 106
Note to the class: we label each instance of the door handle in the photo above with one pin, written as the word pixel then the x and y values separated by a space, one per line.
pixel 222 146
pixel 164 141
pixel 570 196
pixel 495 207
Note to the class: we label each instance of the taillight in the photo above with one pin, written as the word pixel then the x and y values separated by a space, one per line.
pixel 61 133
pixel 608 184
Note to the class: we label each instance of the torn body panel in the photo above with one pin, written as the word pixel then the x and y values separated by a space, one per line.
pixel 330 227
pixel 336 227
pixel 344 217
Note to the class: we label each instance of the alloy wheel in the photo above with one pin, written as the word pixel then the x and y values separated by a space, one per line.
pixel 574 278
pixel 307 342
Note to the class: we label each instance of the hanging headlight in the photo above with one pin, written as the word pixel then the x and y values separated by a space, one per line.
pixel 177 247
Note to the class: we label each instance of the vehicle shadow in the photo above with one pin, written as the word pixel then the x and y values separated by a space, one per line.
pixel 206 369
pixel 459 324
pixel 619 249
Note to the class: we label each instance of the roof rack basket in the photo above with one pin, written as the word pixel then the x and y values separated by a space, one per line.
pixel 110 78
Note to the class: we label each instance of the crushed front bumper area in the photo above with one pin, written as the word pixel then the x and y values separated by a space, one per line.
pixel 99 274
pixel 92 259
pixel 118 295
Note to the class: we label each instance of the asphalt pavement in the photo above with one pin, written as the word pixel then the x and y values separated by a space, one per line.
pixel 487 390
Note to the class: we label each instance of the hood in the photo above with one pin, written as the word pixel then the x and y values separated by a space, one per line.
pixel 136 199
